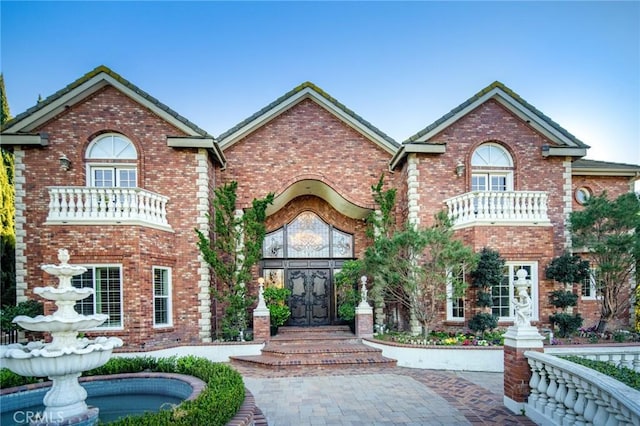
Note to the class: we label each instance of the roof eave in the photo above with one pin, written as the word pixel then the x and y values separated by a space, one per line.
pixel 34 139
pixel 418 148
pixel 85 87
pixel 555 151
pixel 208 143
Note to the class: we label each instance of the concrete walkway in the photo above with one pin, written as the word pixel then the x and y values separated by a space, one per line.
pixel 379 396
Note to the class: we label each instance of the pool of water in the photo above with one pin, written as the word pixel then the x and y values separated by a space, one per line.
pixel 116 398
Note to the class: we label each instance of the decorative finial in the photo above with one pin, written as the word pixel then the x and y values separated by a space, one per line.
pixel 63 256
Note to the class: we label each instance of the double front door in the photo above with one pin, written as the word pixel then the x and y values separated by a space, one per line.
pixel 310 299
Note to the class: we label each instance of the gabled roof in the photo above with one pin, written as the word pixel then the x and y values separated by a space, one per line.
pixel 304 91
pixel 565 143
pixel 26 122
pixel 584 166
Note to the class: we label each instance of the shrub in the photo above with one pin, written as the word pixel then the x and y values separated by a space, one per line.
pixel 563 299
pixel 625 375
pixel 275 299
pixel 216 405
pixel 30 308
pixel 482 322
pixel 567 324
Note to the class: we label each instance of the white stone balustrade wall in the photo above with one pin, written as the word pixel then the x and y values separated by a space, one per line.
pixel 86 205
pixel 565 393
pixel 498 206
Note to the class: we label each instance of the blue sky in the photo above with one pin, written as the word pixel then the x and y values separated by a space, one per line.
pixel 399 65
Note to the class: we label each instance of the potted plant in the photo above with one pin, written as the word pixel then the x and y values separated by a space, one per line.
pixel 276 300
pixel 488 273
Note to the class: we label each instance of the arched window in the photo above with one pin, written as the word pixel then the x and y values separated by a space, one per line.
pixel 492 168
pixel 112 162
pixel 308 236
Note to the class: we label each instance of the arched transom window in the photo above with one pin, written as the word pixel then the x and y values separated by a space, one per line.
pixel 492 168
pixel 112 162
pixel 308 236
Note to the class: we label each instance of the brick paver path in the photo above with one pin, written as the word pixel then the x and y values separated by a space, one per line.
pixel 379 396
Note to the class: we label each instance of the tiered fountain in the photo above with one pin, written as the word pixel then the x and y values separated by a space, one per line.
pixel 64 358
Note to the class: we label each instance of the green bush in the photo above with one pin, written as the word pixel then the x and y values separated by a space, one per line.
pixel 216 405
pixel 276 300
pixel 482 322
pixel 30 308
pixel 563 299
pixel 625 375
pixel 567 324
pixel 485 300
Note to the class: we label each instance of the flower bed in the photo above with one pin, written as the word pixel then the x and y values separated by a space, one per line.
pixel 442 338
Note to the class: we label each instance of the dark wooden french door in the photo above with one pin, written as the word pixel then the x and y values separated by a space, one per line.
pixel 310 299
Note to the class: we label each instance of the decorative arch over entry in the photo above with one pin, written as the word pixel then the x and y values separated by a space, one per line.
pixel 321 190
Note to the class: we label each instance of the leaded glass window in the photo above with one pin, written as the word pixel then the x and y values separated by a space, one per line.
pixel 308 236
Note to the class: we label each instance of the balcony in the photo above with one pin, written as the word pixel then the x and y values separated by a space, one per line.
pixel 75 205
pixel 499 208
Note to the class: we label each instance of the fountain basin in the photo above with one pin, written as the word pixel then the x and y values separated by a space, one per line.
pixel 67 294
pixel 115 395
pixel 41 360
pixel 53 323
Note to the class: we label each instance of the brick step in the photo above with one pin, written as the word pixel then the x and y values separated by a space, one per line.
pixel 279 363
pixel 323 347
pixel 329 349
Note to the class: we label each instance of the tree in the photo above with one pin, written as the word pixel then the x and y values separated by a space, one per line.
pixel 489 272
pixel 235 249
pixel 7 212
pixel 609 231
pixel 441 276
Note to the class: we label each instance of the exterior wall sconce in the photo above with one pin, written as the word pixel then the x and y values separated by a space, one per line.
pixel 65 163
pixel 459 169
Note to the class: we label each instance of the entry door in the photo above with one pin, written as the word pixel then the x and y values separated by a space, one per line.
pixel 310 296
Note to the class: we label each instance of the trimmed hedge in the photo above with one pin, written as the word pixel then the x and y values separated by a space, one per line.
pixel 622 374
pixel 216 405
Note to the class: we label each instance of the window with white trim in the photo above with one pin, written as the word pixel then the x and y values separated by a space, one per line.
pixel 455 305
pixel 112 162
pixel 590 285
pixel 162 297
pixel 504 293
pixel 106 282
pixel 492 168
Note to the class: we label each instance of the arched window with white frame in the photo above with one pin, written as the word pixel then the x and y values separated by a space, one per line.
pixel 492 168
pixel 112 162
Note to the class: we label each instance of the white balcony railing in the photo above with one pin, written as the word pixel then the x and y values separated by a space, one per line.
pixel 565 393
pixel 92 205
pixel 496 207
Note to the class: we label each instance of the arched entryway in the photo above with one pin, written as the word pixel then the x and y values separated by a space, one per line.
pixel 303 256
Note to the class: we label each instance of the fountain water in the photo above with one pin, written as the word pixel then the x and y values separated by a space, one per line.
pixel 64 358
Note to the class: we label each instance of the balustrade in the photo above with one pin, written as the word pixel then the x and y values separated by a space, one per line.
pixel 565 393
pixel 87 205
pixel 498 206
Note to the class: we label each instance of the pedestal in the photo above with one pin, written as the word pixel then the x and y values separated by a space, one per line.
pixel 364 322
pixel 261 325
pixel 517 373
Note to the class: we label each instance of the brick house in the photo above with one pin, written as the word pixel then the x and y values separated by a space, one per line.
pixel 121 180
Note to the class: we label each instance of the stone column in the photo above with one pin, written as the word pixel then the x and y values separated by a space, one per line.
pixel 518 339
pixel 364 314
pixel 261 317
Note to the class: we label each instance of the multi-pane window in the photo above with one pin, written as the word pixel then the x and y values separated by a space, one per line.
pixel 455 303
pixel 111 159
pixel 161 296
pixel 492 169
pixel 504 293
pixel 106 282
pixel 589 285
pixel 307 236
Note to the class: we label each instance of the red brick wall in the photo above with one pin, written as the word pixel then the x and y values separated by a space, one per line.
pixel 161 169
pixel 306 142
